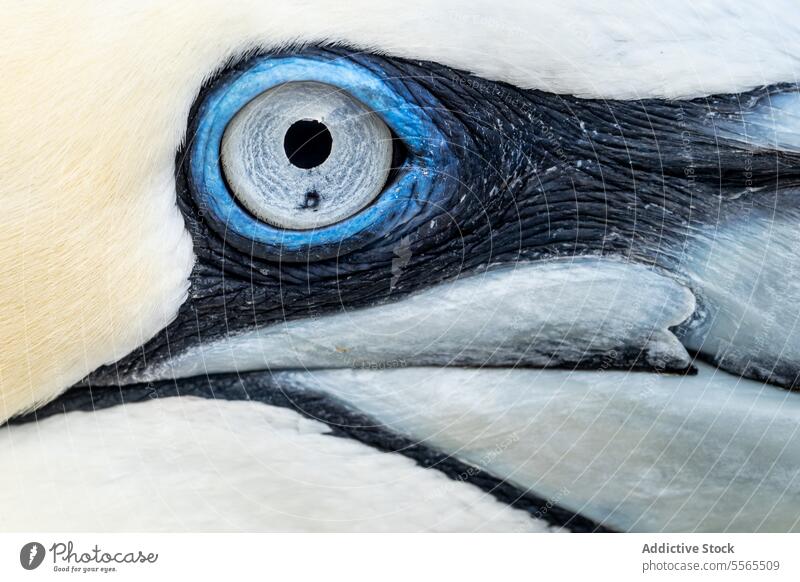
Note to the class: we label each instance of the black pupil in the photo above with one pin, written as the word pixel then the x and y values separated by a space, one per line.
pixel 307 143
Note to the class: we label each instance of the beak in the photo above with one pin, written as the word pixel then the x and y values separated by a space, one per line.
pixel 695 449
pixel 635 451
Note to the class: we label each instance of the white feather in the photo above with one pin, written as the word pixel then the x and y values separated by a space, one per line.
pixel 190 464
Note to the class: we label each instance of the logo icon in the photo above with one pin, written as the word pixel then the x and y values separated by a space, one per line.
pixel 31 555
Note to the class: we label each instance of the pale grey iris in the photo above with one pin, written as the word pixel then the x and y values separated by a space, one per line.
pixel 305 155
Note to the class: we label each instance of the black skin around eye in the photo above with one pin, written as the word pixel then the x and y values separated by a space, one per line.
pixel 540 176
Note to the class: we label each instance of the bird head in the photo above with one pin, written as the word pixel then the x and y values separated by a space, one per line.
pixel 484 227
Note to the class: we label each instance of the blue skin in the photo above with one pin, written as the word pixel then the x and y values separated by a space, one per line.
pixel 397 206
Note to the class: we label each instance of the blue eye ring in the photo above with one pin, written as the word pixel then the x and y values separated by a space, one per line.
pixel 395 208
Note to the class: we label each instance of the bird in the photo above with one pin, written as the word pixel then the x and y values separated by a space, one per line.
pixel 452 266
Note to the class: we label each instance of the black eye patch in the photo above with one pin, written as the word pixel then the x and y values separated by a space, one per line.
pixel 529 176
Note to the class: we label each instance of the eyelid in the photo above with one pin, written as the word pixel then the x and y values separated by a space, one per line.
pixel 428 149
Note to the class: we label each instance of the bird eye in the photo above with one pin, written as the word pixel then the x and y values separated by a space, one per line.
pixel 304 157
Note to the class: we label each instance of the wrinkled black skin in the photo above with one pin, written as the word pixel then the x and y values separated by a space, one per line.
pixel 543 175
